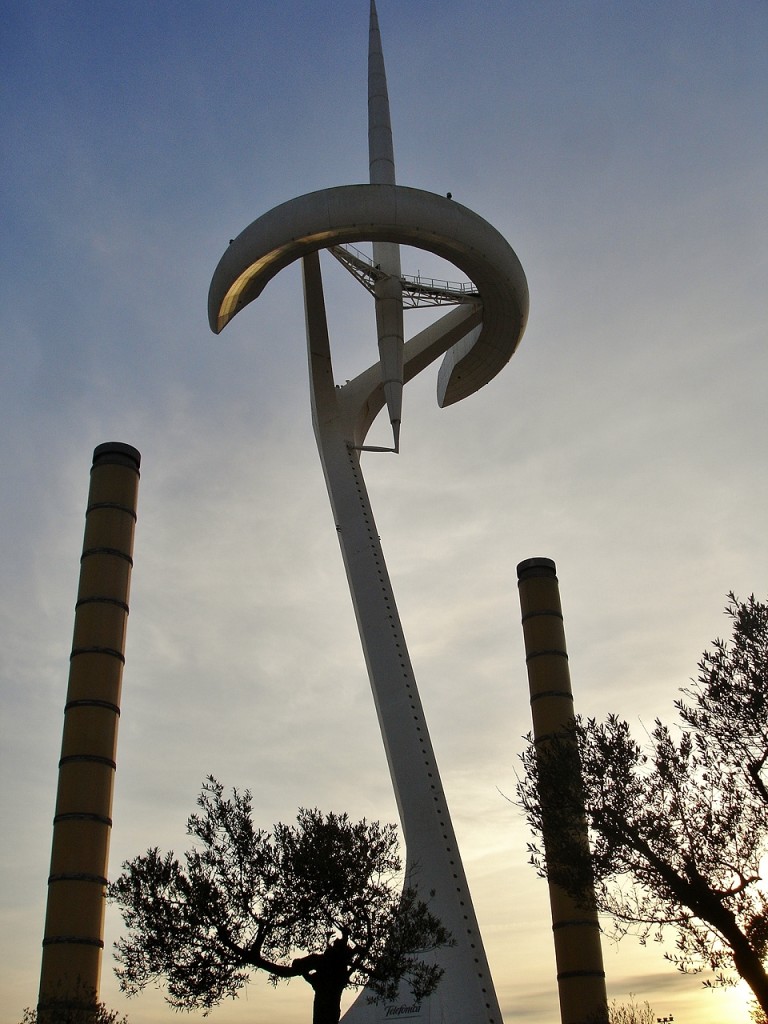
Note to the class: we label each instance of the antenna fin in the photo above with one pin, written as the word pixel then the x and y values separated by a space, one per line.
pixel 388 291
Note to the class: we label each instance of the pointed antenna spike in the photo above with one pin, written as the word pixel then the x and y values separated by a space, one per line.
pixel 381 154
pixel 388 291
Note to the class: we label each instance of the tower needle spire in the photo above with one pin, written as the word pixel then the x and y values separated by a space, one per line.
pixel 388 290
pixel 380 149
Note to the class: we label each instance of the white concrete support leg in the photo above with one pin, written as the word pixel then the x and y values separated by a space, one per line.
pixel 466 994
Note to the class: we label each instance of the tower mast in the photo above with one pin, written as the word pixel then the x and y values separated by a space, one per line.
pixel 388 290
pixel 474 341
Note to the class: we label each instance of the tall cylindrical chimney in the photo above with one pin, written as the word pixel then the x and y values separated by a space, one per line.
pixel 74 923
pixel 578 954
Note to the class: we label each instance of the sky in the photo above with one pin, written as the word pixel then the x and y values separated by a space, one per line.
pixel 621 148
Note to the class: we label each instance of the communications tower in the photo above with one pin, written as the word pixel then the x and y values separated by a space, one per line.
pixel 475 340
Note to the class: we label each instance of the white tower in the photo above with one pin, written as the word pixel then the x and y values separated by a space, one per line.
pixel 476 340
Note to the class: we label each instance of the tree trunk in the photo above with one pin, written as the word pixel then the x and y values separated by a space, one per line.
pixel 750 967
pixel 747 961
pixel 328 973
pixel 327 1005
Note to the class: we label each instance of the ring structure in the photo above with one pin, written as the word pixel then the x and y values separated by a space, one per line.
pixel 390 213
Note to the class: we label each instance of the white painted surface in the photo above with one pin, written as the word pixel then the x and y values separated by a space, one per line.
pixel 433 863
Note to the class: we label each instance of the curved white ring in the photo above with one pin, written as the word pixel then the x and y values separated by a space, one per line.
pixel 389 213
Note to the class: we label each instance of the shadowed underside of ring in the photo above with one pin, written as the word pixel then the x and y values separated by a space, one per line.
pixel 389 213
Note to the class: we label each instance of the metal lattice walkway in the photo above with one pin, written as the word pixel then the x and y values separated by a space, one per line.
pixel 418 291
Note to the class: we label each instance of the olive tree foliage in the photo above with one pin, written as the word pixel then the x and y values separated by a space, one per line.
pixel 69 1012
pixel 728 700
pixel 678 825
pixel 628 1013
pixel 631 1012
pixel 317 900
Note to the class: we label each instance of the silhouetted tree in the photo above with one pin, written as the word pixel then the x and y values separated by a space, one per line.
pixel 73 1011
pixel 317 900
pixel 678 827
pixel 624 1013
pixel 631 1012
pixel 729 713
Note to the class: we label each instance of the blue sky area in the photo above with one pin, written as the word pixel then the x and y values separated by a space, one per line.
pixel 621 148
